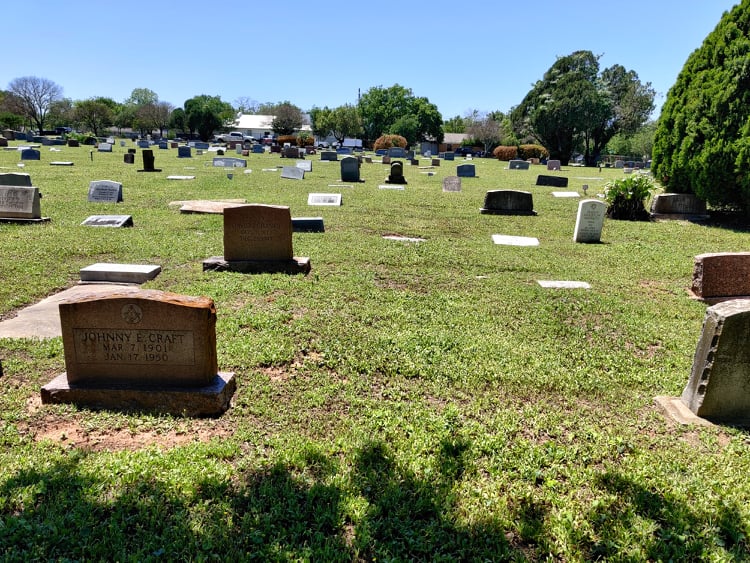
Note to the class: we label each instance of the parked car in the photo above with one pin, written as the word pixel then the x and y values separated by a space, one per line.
pixel 233 136
pixel 466 151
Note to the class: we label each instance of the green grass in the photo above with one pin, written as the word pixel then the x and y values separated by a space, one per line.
pixel 404 401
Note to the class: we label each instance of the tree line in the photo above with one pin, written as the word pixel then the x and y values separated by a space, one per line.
pixel 572 108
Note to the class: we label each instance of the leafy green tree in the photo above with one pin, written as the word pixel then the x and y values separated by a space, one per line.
pixel 93 115
pixel 341 122
pixel 455 124
pixel 407 127
pixel 60 113
pixel 573 105
pixel 142 97
pixel 205 114
pixel 178 120
pixel 32 97
pixel 702 140
pixel 287 119
pixel 154 116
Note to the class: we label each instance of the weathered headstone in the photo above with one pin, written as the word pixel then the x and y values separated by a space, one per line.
pixel 718 387
pixel 397 173
pixel 619 164
pixel 290 152
pixel 508 202
pixel 148 161
pixel 105 191
pixel 589 220
pixel 518 165
pixel 305 165
pixel 350 169
pixel 553 165
pixel 554 181
pixel 114 221
pixel 128 158
pixel 258 239
pixel 466 171
pixel 451 184
pixel 20 204
pixel 3 142
pixel 143 350
pixel 184 152
pixel 230 162
pixel 104 147
pixel 386 159
pixel 324 199
pixel 73 143
pixel 30 154
pixel 721 275
pixel 435 162
pixel 678 206
pixel 292 173
pixel 15 179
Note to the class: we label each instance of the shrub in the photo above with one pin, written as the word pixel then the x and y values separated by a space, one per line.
pixel 626 198
pixel 526 152
pixel 388 141
pixel 305 140
pixel 702 140
pixel 504 152
pixel 282 139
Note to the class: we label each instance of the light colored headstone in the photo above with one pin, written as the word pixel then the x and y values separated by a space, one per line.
pixel 391 187
pixel 105 147
pixel 619 164
pixel 19 202
pixel 324 199
pixel 403 239
pixel 510 240
pixel 718 386
pixel 115 221
pixel 305 165
pixel 229 162
pixel 180 177
pixel 61 163
pixel 119 273
pixel 105 191
pixel 589 220
pixel 563 284
pixel 292 173
pixel 451 184
pixel 566 194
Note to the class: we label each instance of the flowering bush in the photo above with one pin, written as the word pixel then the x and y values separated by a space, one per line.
pixel 505 152
pixel 388 141
pixel 626 197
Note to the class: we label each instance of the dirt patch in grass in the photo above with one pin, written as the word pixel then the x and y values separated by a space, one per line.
pixel 69 432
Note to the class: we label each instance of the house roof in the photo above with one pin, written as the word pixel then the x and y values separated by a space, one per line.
pixel 454 138
pixel 247 121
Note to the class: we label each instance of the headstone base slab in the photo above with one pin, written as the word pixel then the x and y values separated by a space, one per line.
pixel 154 170
pixel 297 265
pixel 211 400
pixel 486 211
pixel 678 411
pixel 23 220
pixel 119 273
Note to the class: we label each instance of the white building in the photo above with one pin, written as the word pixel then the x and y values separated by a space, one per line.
pixel 258 126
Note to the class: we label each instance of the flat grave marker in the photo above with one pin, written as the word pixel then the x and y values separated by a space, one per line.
pixel 115 221
pixel 324 199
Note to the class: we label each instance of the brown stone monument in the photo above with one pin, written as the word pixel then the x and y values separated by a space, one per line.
pixel 718 276
pixel 141 350
pixel 258 239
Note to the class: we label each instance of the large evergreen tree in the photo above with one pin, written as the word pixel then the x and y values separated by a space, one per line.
pixel 702 140
pixel 205 114
pixel 575 107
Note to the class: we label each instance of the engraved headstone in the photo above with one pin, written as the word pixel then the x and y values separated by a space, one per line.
pixel 518 165
pixel 30 154
pixel 292 173
pixel 678 206
pixel 329 155
pixel 15 179
pixel 466 171
pixel 104 147
pixel 258 239
pixel 350 169
pixel 141 349
pixel 449 156
pixel 553 165
pixel 308 225
pixel 554 181
pixel 324 199
pixel 589 220
pixel 229 162
pixel 114 221
pixel 184 152
pixel 718 389
pixel 20 203
pixel 397 174
pixel 305 165
pixel 397 152
pixel 508 202
pixel 105 191
pixel 451 184
pixel 386 159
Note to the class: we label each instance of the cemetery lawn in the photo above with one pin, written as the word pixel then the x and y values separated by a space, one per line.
pixel 404 401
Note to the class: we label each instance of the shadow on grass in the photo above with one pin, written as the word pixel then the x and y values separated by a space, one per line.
pixel 659 527
pixel 63 510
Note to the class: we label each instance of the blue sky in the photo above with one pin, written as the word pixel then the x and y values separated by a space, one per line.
pixel 466 55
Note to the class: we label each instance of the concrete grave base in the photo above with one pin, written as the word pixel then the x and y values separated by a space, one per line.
pixel 297 265
pixel 486 211
pixel 23 220
pixel 119 273
pixel 211 400
pixel 678 411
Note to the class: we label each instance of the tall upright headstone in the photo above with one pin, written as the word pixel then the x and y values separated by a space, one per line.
pixel 148 161
pixel 397 174
pixel 258 239
pixel 589 220
pixel 144 350
pixel 350 169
